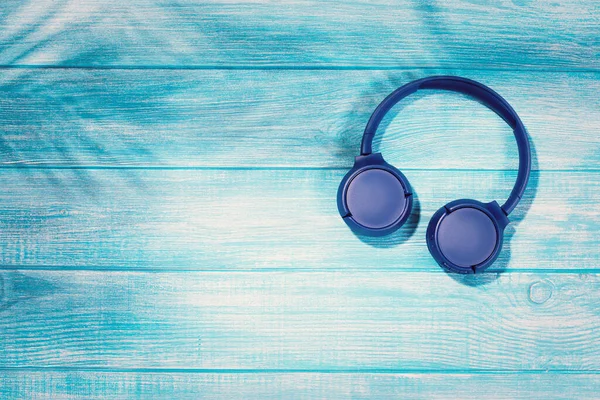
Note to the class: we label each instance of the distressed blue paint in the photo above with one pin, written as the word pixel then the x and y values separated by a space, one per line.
pixel 264 219
pixel 168 225
pixel 386 321
pixel 263 119
pixel 111 385
pixel 383 33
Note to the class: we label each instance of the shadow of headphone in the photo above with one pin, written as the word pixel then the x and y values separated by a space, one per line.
pixel 465 235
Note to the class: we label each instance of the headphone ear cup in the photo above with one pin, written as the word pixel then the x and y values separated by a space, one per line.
pixel 374 198
pixel 465 236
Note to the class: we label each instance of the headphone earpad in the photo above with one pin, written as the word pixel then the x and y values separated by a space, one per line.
pixel 374 198
pixel 465 236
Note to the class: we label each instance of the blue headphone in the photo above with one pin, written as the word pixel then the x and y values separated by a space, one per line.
pixel 465 235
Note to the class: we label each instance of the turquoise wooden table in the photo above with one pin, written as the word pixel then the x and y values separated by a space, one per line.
pixel 168 225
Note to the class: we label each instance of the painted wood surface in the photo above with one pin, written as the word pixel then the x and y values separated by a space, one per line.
pixel 301 321
pixel 382 33
pixel 287 119
pixel 168 226
pixel 155 385
pixel 271 219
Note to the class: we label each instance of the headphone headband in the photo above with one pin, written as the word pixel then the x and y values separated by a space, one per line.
pixel 478 91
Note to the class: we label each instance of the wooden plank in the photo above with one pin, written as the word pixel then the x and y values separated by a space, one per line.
pixel 382 33
pixel 257 219
pixel 323 321
pixel 286 119
pixel 131 385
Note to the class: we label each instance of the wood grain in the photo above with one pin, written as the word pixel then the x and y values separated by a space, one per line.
pixel 109 385
pixel 324 321
pixel 383 33
pixel 287 119
pixel 168 226
pixel 257 219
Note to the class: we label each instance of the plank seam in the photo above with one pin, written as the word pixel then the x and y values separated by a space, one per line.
pixel 294 68
pixel 302 371
pixel 155 270
pixel 267 168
